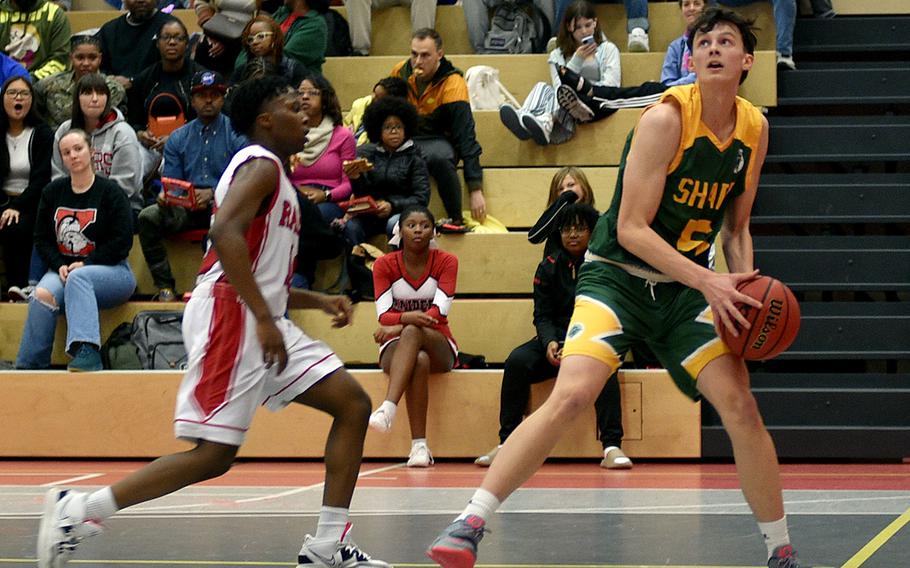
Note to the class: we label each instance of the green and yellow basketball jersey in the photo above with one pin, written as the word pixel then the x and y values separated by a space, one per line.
pixel 702 180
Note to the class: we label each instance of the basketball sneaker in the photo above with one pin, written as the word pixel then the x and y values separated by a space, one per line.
pixel 346 555
pixel 63 527
pixel 456 546
pixel 420 456
pixel 785 557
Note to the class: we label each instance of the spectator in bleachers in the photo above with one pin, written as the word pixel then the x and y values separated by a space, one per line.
pixel 305 31
pixel 583 47
pixel 9 67
pixel 413 334
pixel 217 52
pixel 360 15
pixel 636 21
pixel 83 232
pixel 395 173
pixel 197 152
pixel 161 93
pixel 391 86
pixel 538 360
pixel 569 184
pixel 784 21
pixel 318 171
pixel 54 94
pixel 36 34
pixel 263 37
pixel 25 168
pixel 477 18
pixel 445 129
pixel 676 70
pixel 116 152
pixel 127 42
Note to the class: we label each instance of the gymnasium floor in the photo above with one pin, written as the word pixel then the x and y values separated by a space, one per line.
pixel 570 514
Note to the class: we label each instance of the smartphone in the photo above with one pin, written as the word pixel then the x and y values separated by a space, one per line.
pixel 587 40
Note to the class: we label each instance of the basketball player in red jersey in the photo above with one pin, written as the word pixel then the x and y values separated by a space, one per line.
pixel 243 351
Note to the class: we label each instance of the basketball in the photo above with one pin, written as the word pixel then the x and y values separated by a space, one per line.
pixel 774 326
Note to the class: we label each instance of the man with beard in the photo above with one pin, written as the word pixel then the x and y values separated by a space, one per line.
pixel 127 45
pixel 197 152
pixel 35 33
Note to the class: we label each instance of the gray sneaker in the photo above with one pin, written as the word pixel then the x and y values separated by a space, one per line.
pixel 785 557
pixel 456 546
pixel 572 103
pixel 17 294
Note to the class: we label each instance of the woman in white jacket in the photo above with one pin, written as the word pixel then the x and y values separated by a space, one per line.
pixel 583 48
pixel 115 148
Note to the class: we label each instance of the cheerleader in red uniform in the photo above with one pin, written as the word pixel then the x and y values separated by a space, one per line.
pixel 414 290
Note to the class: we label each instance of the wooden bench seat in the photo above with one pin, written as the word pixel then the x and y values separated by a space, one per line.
pixel 659 421
pixel 664 19
pixel 354 77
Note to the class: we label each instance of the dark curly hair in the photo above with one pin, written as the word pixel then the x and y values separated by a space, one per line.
pixel 578 215
pixel 394 86
pixel 715 15
pixel 383 108
pixel 330 105
pixel 251 96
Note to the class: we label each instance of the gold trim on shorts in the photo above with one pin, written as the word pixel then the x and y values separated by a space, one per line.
pixel 699 359
pixel 592 322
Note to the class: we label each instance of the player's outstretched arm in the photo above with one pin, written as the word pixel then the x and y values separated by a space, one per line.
pixel 654 146
pixel 735 234
pixel 252 186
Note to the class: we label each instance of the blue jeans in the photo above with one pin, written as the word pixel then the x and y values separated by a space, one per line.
pixel 636 13
pixel 86 290
pixel 784 20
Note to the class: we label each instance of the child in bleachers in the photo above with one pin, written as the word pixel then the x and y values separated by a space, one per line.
pixel 395 173
pixel 414 290
pixel 83 232
pixel 25 168
pixel 262 37
pixel 115 148
pixel 393 86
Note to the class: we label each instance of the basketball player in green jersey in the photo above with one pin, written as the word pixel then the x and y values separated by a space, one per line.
pixel 689 171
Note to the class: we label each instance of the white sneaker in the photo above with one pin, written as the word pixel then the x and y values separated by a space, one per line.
pixel 63 527
pixel 346 555
pixel 17 294
pixel 486 460
pixel 511 118
pixel 614 458
pixel 420 456
pixel 539 127
pixel 638 41
pixel 381 421
pixel 785 62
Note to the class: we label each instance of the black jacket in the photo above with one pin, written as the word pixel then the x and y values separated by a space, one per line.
pixel 127 49
pixel 554 295
pixel 401 178
pixel 40 149
pixel 152 81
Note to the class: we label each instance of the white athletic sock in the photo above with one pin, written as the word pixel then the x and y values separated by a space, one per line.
pixel 332 521
pixel 100 505
pixel 775 534
pixel 483 504
pixel 417 442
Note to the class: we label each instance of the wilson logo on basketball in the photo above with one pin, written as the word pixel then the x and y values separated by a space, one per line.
pixel 775 309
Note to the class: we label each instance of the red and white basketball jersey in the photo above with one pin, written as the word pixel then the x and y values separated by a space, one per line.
pixel 272 238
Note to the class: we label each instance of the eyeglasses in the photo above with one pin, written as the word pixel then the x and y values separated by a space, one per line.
pixel 173 38
pixel 259 36
pixel 19 93
pixel 392 127
pixel 309 92
pixel 573 229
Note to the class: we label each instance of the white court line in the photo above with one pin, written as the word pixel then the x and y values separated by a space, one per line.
pixel 317 485
pixel 34 474
pixel 71 479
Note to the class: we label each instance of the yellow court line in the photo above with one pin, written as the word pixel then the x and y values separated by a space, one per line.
pixel 880 539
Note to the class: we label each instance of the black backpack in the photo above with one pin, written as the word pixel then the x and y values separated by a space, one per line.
pixel 119 352
pixel 158 338
pixel 339 34
pixel 517 26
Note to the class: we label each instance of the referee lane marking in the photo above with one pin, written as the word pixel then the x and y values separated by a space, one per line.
pixel 72 479
pixel 880 539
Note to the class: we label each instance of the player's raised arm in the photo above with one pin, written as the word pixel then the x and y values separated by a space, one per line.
pixel 735 235
pixel 252 187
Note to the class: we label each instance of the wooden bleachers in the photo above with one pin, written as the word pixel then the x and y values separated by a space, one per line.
pixel 658 420
pixel 664 17
pixel 864 7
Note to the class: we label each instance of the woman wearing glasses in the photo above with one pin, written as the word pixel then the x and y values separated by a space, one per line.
pixel 25 168
pixel 263 38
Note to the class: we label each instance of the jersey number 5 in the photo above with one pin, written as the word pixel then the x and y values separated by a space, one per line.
pixel 687 240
